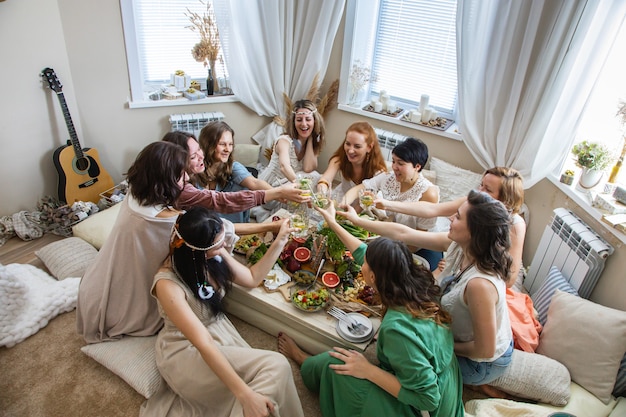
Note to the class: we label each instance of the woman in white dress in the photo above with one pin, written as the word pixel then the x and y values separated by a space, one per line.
pixel 294 154
pixel 358 158
pixel 296 151
pixel 207 366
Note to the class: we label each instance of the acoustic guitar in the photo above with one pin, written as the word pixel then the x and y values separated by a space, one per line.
pixel 81 177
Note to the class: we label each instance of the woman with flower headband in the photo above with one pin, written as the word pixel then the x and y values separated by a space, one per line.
pixel 207 366
pixel 295 153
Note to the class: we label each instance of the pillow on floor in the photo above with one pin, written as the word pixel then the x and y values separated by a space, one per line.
pixel 588 338
pixel 67 257
pixel 130 358
pixel 535 377
pixel 96 228
pixel 453 182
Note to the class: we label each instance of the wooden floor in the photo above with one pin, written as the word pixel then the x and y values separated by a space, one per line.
pixel 16 250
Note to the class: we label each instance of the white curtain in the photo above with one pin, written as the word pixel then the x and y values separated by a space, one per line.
pixel 275 46
pixel 526 69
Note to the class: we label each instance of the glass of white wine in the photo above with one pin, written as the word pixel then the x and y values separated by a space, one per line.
pixel 366 198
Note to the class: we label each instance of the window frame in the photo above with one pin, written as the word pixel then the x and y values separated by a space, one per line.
pixel 137 97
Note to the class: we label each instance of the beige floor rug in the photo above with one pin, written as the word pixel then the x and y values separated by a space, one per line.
pixel 47 375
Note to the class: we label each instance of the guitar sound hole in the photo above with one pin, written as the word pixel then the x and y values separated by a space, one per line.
pixel 82 164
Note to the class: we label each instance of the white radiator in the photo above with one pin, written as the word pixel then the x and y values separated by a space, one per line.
pixel 388 140
pixel 193 122
pixel 573 247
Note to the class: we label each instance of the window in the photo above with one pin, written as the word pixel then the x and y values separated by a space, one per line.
pixel 599 122
pixel 410 48
pixel 159 42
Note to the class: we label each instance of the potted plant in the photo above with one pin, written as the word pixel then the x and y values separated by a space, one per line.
pixel 593 158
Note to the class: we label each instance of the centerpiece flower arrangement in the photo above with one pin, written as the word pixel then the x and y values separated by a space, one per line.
pixel 208 49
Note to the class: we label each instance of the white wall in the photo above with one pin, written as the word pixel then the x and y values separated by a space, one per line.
pixel 83 41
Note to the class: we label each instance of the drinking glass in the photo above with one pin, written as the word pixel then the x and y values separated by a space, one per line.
pixel 305 185
pixel 323 198
pixel 366 198
pixel 299 220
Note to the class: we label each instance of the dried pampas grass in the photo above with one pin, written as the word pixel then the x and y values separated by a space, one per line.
pixel 323 105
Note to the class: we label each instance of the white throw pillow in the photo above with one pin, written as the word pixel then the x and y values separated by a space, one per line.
pixel 130 358
pixel 67 257
pixel 96 228
pixel 535 377
pixel 453 182
pixel 589 339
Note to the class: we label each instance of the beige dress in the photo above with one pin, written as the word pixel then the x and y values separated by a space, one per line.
pixel 114 294
pixel 192 389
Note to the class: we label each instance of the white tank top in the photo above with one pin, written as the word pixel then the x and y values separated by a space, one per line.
pixel 462 328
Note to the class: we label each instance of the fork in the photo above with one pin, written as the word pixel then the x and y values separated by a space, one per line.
pixel 353 325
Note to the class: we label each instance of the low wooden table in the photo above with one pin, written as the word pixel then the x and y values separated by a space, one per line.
pixel 269 311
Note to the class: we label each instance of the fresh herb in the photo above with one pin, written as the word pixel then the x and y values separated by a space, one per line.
pixel 334 245
pixel 257 254
pixel 355 231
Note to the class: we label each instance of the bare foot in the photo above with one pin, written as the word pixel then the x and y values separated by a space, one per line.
pixel 288 347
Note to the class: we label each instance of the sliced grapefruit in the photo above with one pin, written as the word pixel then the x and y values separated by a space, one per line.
pixel 302 254
pixel 330 279
pixel 299 240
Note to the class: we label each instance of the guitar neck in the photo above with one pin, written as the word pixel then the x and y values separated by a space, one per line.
pixel 78 150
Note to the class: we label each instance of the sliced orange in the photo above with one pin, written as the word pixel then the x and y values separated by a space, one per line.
pixel 299 240
pixel 302 254
pixel 330 279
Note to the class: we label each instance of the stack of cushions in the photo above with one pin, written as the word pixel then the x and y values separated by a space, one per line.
pixel 580 339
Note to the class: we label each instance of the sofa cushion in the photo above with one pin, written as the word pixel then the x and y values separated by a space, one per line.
pixel 247 154
pixel 67 257
pixel 535 377
pixel 453 182
pixel 96 228
pixel 588 338
pixel 541 298
pixel 130 358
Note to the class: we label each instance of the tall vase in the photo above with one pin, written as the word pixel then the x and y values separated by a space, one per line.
pixel 215 87
pixel 210 84
pixel 355 97
pixel 590 177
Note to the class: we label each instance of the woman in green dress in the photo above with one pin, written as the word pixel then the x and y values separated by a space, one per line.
pixel 417 368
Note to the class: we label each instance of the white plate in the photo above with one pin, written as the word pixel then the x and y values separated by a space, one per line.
pixel 343 331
